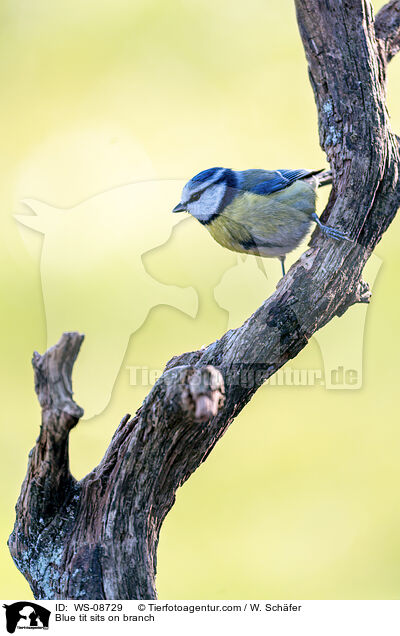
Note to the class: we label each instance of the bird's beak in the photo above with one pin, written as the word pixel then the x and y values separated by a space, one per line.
pixel 179 208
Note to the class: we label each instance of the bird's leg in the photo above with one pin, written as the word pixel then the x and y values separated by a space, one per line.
pixel 282 260
pixel 329 231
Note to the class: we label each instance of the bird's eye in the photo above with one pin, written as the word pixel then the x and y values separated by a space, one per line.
pixel 195 197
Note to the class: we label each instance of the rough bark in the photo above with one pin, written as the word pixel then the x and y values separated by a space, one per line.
pixel 97 538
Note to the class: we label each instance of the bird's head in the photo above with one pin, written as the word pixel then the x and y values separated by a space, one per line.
pixel 207 194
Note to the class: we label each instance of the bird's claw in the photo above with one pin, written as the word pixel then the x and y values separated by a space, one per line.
pixel 335 234
pixel 331 232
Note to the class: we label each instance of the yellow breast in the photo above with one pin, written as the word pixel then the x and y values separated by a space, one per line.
pixel 266 225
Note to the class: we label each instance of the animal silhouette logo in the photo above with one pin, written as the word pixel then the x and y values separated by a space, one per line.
pixel 94 281
pixel 26 615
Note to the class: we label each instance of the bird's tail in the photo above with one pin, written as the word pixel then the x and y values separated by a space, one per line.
pixel 322 177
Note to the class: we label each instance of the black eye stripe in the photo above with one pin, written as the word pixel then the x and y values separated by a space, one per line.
pixel 196 196
pixel 230 180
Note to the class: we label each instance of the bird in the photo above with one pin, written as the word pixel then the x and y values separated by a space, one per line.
pixel 262 212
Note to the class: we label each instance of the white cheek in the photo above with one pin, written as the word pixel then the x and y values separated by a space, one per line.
pixel 199 209
pixel 208 203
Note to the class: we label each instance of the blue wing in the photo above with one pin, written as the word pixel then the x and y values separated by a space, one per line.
pixel 279 180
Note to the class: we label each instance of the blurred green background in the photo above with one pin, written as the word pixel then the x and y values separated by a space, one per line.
pixel 300 499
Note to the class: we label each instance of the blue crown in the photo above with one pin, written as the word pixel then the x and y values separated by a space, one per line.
pixel 205 175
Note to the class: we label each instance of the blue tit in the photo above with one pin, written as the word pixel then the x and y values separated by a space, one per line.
pixel 262 212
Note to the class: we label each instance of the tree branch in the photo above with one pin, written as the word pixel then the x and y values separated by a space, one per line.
pixel 49 477
pixel 104 532
pixel 387 29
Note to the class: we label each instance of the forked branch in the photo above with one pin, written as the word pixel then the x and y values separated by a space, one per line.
pixel 97 538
